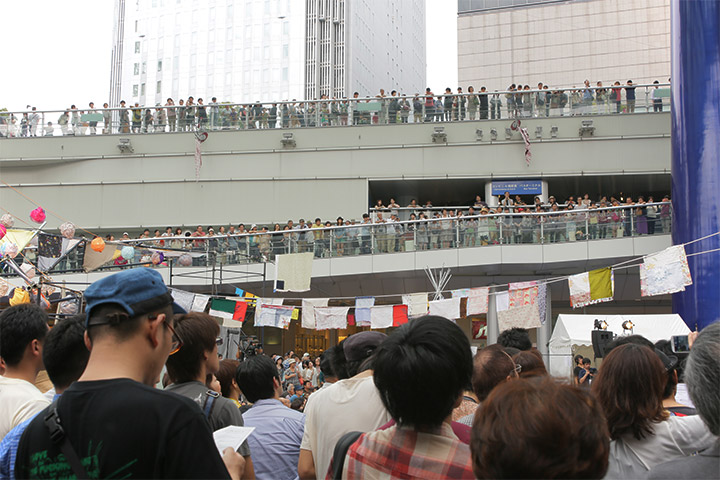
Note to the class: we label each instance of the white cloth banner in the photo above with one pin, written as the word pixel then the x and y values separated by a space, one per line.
pixel 277 316
pixel 665 272
pixel 461 293
pixel 362 310
pixel 477 302
pixel 526 316
pixel 448 308
pixel 308 311
pixel 199 303
pixel 417 304
pixel 381 317
pixel 260 307
pixel 331 317
pixel 293 272
pixel 502 301
pixel 183 298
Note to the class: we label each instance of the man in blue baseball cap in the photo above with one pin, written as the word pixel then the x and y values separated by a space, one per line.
pixel 112 422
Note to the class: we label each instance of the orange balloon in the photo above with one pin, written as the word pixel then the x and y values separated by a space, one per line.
pixel 98 244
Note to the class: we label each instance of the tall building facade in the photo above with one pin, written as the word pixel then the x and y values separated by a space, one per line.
pixel 562 43
pixel 363 46
pixel 259 50
pixel 235 50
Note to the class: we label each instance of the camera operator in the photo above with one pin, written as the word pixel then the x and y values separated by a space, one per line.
pixel 586 374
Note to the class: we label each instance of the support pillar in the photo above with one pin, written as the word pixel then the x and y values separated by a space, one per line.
pixel 492 320
pixel 545 332
pixel 696 153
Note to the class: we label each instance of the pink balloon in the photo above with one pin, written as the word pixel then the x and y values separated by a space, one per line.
pixel 38 215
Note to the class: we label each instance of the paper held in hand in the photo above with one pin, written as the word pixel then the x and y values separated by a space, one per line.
pixel 232 436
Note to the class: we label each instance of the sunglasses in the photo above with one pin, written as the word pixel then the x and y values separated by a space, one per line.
pixel 176 340
pixel 219 341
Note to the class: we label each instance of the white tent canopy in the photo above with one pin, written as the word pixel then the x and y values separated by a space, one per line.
pixel 575 330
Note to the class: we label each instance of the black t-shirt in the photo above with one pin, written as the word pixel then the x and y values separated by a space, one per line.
pixel 122 429
pixel 576 372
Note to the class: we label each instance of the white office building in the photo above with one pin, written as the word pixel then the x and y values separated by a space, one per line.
pixel 562 43
pixel 363 46
pixel 251 50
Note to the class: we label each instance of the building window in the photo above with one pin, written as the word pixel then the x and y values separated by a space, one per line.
pixel 137 47
pixel 135 90
pixel 159 87
pixel 144 67
pixel 159 66
pixel 136 69
pixel 285 74
pixel 286 51
pixel 142 90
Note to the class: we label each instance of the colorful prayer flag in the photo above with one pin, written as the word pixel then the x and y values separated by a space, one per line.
pixel 591 287
pixel 448 308
pixel 477 302
pixel 228 309
pixel 331 317
pixel 665 272
pixel 417 304
pixel 381 316
pixel 362 310
pixel 400 315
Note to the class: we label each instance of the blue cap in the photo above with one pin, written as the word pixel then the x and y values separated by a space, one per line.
pixel 138 291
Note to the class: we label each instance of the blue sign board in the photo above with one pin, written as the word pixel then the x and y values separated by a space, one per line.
pixel 517 187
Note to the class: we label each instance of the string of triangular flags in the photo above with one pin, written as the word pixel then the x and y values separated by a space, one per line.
pixel 523 304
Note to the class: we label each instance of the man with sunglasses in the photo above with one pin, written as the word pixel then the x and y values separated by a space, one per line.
pixel 190 367
pixel 112 422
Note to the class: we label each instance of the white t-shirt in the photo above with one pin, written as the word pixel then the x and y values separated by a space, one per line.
pixel 674 438
pixel 19 401
pixel 349 405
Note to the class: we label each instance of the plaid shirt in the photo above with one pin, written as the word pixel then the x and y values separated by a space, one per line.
pixel 400 452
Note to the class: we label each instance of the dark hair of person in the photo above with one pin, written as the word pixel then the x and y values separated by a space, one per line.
pixel 19 326
pixel 531 364
pixel 123 329
pixel 255 378
pixel 515 337
pixel 226 374
pixel 297 404
pixel 631 410
pixel 338 361
pixel 64 353
pixel 539 428
pixel 491 366
pixel 358 366
pixel 198 332
pixel 430 347
pixel 672 380
pixel 326 359
pixel 625 339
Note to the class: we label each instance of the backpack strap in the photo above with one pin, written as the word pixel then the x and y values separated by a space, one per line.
pixel 58 437
pixel 341 448
pixel 209 403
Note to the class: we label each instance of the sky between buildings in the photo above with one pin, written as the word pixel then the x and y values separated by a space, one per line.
pixel 57 53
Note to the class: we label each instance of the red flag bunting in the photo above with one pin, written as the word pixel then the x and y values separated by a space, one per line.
pixel 400 315
pixel 240 311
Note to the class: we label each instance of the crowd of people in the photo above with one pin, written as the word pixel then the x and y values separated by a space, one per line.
pixel 427 228
pixel 518 101
pixel 412 404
